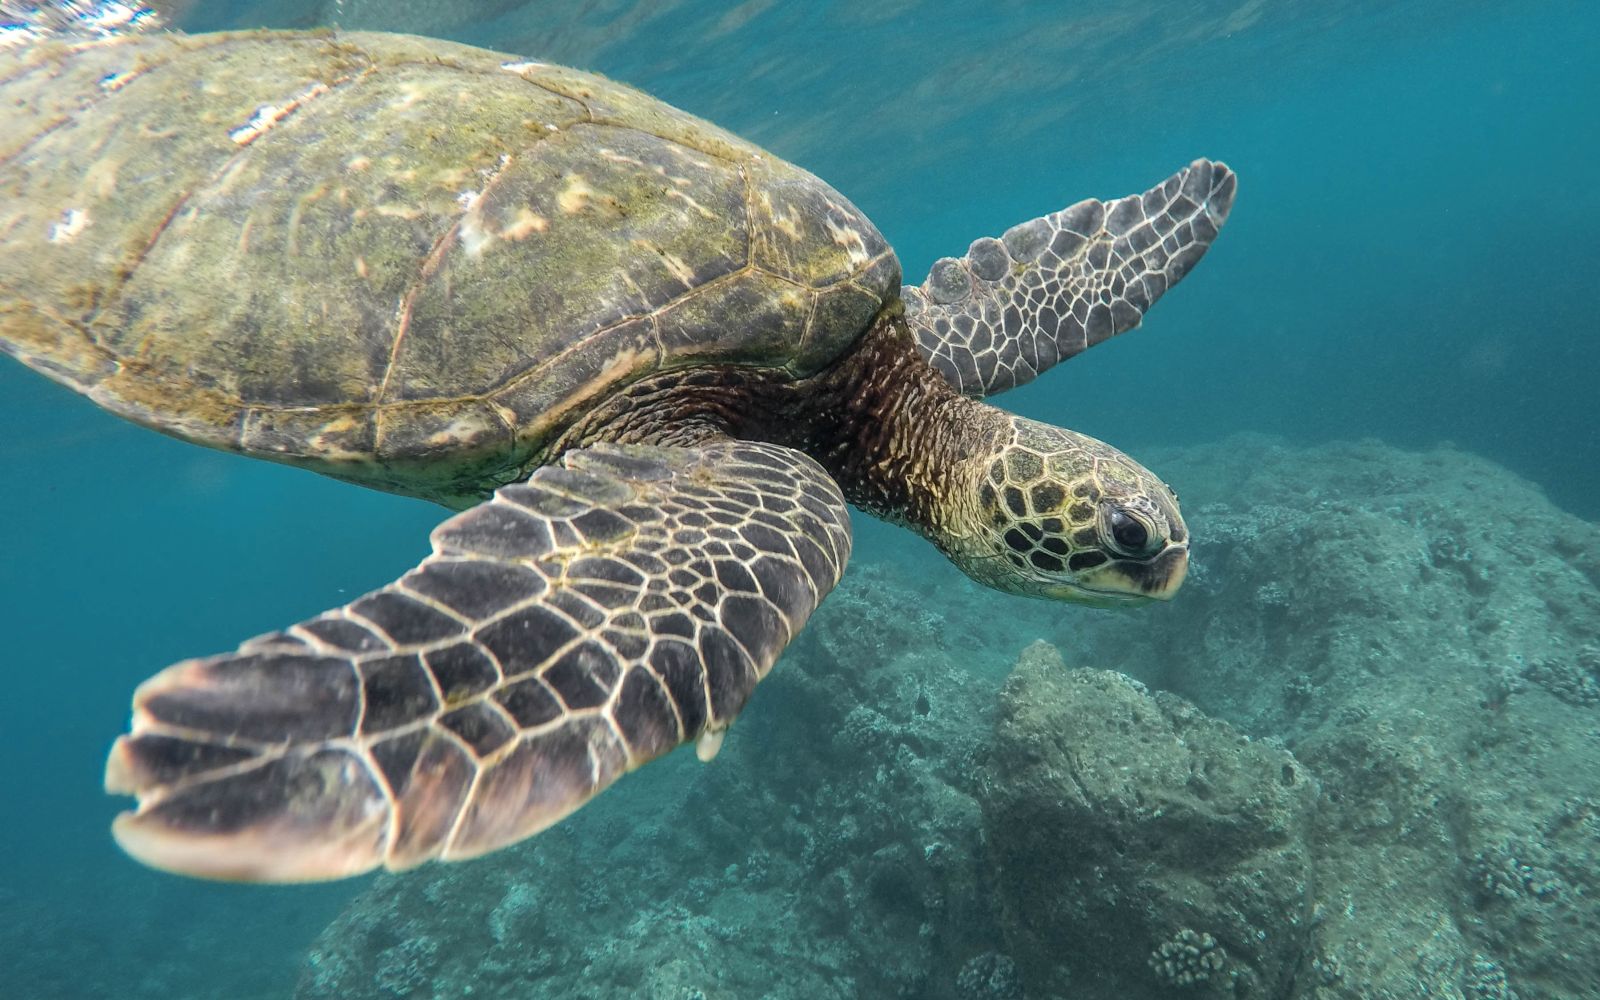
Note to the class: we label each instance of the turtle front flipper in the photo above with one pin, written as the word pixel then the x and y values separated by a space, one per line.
pixel 1049 288
pixel 562 633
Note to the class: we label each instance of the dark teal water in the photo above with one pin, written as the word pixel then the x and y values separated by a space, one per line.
pixel 1411 258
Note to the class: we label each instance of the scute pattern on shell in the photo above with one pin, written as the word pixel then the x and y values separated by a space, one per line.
pixel 405 262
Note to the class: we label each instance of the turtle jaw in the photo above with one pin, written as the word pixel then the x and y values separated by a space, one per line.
pixel 1126 584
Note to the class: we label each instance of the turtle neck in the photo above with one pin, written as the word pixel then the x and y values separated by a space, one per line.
pixel 894 434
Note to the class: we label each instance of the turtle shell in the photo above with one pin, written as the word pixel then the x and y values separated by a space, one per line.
pixel 401 261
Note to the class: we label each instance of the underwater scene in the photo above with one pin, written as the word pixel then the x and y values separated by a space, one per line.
pixel 1330 733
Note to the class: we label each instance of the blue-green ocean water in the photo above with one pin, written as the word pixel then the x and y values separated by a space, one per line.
pixel 1411 258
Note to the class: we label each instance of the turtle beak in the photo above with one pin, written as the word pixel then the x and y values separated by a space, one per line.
pixel 1125 584
pixel 1165 575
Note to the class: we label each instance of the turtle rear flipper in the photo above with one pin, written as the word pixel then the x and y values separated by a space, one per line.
pixel 1057 285
pixel 562 633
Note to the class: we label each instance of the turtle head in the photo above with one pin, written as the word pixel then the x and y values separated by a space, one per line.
pixel 1056 514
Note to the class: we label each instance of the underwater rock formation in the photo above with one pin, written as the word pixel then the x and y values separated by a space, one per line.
pixel 1169 849
pixel 1419 629
pixel 1404 638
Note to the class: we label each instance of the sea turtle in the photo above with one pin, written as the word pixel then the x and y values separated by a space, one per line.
pixel 648 361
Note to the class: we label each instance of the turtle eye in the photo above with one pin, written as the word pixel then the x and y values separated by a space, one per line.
pixel 1128 532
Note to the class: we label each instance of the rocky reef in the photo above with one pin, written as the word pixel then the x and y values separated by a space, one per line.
pixel 1356 759
pixel 1114 815
pixel 1418 630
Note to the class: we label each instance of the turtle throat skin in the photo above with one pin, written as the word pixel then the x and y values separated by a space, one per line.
pixel 1018 505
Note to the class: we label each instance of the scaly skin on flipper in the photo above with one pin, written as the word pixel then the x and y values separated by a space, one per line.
pixel 561 634
pixel 1057 285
